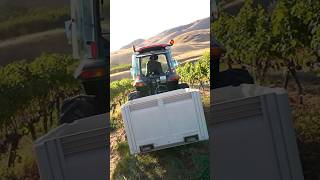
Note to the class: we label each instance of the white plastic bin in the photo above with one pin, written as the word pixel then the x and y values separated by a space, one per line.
pixel 75 151
pixel 252 135
pixel 164 120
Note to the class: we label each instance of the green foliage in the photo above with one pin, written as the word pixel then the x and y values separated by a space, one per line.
pixel 123 149
pixel 115 119
pixel 138 167
pixel 20 82
pixel 30 98
pixel 183 162
pixel 197 73
pixel 273 39
pixel 35 20
pixel 119 89
pixel 286 37
pixel 114 122
pixel 201 162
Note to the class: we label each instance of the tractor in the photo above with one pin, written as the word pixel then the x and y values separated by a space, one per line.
pixel 154 71
pixel 90 45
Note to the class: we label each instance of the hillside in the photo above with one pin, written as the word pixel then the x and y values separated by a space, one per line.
pixel 189 38
pixel 30 28
pixel 34 3
pixel 16 8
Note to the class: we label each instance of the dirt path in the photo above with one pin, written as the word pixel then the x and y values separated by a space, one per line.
pixel 119 75
pixel 115 138
pixel 33 45
pixel 29 37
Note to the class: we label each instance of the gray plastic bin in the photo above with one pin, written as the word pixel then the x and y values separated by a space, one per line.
pixel 164 120
pixel 77 151
pixel 251 135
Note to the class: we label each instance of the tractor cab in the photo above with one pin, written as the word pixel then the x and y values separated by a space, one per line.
pixel 88 33
pixel 153 70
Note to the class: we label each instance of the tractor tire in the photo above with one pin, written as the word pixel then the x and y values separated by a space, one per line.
pixel 233 77
pixel 133 95
pixel 77 107
pixel 183 86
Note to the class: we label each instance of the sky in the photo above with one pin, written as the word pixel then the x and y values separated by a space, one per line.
pixel 135 19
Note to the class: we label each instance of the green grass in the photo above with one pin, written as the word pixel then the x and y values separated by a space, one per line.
pixel 114 125
pixel 138 167
pixel 123 149
pixel 183 162
pixel 115 120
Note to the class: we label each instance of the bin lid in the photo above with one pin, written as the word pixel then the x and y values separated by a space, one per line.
pixel 233 93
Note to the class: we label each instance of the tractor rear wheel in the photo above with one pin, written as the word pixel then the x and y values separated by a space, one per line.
pixel 133 95
pixel 233 77
pixel 78 107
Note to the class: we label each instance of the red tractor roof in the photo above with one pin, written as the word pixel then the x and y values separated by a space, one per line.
pixel 154 47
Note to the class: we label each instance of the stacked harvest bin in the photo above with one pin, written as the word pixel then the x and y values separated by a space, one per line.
pixel 252 135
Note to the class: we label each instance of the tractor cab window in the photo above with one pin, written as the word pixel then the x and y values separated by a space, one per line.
pixel 82 31
pixel 89 20
pixel 157 63
pixel 105 18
